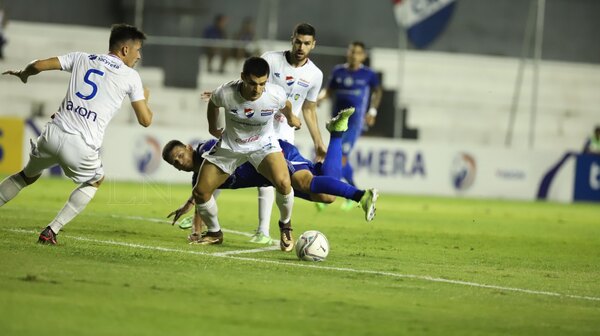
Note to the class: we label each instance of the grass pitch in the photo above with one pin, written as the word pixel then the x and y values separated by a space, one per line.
pixel 434 266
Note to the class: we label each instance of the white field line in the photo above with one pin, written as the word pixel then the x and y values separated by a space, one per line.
pixel 274 244
pixel 327 268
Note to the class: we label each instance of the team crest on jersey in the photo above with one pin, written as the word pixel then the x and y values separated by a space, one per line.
pixel 289 80
pixel 277 74
pixel 303 83
pixel 92 57
pixel 248 112
pixel 265 113
pixel 348 81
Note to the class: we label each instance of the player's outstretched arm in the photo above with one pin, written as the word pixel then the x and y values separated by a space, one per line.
pixel 142 110
pixel 309 111
pixel 375 100
pixel 34 68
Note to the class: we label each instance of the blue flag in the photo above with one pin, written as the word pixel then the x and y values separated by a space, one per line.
pixel 423 20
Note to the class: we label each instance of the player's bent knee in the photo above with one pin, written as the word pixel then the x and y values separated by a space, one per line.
pixel 97 183
pixel 201 196
pixel 29 180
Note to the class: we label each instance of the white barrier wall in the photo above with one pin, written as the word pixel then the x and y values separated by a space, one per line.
pixel 134 153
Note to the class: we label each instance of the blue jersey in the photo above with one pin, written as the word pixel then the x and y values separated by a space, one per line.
pixel 246 176
pixel 352 88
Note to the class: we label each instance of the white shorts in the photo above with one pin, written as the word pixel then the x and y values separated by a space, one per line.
pixel 79 162
pixel 228 160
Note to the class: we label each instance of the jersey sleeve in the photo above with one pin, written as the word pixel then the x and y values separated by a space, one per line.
pixel 313 93
pixel 136 93
pixel 217 96
pixel 67 61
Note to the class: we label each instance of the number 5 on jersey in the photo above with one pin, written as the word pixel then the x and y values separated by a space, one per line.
pixel 89 82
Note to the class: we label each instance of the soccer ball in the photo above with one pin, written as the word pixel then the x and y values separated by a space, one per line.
pixel 312 246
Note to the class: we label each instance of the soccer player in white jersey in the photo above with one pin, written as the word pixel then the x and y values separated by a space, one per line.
pixel 301 79
pixel 73 137
pixel 250 105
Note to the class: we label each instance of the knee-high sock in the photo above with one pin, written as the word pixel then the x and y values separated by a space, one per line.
pixel 266 196
pixel 10 187
pixel 208 212
pixel 348 173
pixel 285 203
pixel 79 199
pixel 331 186
pixel 332 166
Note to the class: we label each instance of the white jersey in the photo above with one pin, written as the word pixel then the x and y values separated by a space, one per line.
pixel 300 84
pixel 248 124
pixel 98 85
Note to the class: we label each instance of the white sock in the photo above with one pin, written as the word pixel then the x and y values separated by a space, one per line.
pixel 208 212
pixel 266 196
pixel 79 199
pixel 10 187
pixel 285 203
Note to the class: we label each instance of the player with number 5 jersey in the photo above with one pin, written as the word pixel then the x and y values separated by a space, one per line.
pixel 73 137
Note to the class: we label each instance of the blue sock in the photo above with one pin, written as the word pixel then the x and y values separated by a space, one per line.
pixel 332 186
pixel 348 173
pixel 332 166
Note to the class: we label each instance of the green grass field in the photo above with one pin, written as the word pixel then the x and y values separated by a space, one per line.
pixel 434 266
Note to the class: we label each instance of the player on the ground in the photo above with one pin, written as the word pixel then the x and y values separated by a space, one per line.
pixel 353 84
pixel 250 105
pixel 73 137
pixel 301 79
pixel 316 182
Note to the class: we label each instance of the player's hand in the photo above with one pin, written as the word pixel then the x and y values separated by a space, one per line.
pixel 21 74
pixel 181 211
pixel 320 152
pixel 295 122
pixel 205 96
pixel 369 120
pixel 216 132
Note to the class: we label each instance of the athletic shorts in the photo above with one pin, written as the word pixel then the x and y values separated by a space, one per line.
pixel 79 162
pixel 228 160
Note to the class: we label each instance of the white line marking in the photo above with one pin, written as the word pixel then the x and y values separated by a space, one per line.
pixel 328 268
pixel 274 246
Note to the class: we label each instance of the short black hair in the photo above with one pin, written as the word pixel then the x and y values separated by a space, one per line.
pixel 305 29
pixel 122 32
pixel 256 66
pixel 358 44
pixel 168 148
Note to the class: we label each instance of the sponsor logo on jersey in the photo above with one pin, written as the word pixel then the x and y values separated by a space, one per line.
pixel 92 57
pixel 233 111
pixel 289 80
pixel 348 81
pixel 248 112
pixel 247 140
pixel 265 113
pixel 277 74
pixel 303 83
pixel 296 96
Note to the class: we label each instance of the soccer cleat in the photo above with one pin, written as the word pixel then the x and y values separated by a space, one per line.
pixel 348 205
pixel 261 238
pixel 320 206
pixel 186 223
pixel 367 203
pixel 210 238
pixel 47 236
pixel 339 123
pixel 286 242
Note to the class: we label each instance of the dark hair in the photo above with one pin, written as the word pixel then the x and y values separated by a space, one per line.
pixel 305 29
pixel 122 32
pixel 256 66
pixel 358 44
pixel 168 148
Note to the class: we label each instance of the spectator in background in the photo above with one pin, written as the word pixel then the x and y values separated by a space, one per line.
pixel 216 31
pixel 592 145
pixel 245 34
pixel 3 22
